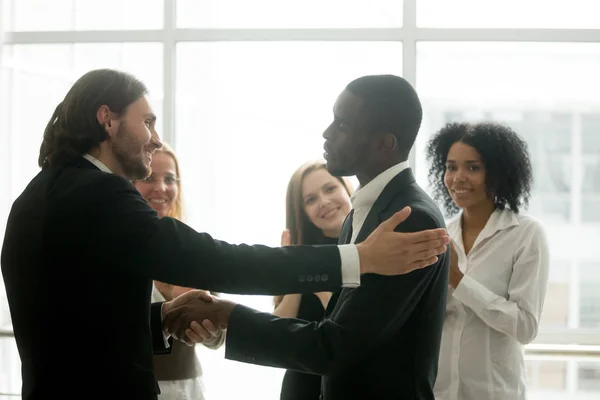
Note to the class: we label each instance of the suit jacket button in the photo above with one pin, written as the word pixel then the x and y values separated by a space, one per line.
pixel 324 278
pixel 309 278
pixel 301 278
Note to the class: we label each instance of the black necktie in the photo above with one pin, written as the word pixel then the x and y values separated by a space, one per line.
pixel 346 234
pixel 345 238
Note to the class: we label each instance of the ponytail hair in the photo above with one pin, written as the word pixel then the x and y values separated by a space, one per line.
pixel 74 129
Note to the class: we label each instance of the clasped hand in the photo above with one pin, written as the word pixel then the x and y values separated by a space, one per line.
pixel 196 316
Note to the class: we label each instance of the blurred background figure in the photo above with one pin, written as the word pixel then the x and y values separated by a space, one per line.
pixel 179 373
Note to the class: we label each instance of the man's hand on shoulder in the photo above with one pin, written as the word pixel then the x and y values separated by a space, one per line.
pixel 386 252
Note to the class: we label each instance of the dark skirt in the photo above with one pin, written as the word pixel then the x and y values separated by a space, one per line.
pixel 298 385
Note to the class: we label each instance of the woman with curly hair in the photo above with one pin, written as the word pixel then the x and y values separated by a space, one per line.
pixel 482 175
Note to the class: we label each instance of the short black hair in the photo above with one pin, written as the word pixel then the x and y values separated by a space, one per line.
pixel 73 129
pixel 505 155
pixel 392 105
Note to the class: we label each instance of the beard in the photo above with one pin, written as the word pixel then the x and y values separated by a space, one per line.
pixel 339 168
pixel 336 170
pixel 130 155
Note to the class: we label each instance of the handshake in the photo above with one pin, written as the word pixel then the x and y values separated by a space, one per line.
pixel 196 316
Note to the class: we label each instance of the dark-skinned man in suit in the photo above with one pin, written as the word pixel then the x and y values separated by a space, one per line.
pixel 380 340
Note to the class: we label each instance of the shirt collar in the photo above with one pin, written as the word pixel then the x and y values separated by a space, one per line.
pixel 97 163
pixel 366 196
pixel 498 221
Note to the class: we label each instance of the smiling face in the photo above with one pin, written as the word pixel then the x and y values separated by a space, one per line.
pixel 326 201
pixel 465 176
pixel 136 139
pixel 161 188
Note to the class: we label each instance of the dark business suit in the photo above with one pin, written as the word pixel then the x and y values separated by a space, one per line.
pixel 378 341
pixel 81 232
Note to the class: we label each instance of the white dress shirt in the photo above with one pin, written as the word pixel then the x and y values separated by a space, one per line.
pixel 99 164
pixel 364 197
pixel 494 311
pixel 348 253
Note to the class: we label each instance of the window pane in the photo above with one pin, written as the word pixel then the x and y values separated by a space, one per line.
pixel 546 377
pixel 85 15
pixel 556 308
pixel 10 368
pixel 590 125
pixel 248 114
pixel 590 207
pixel 519 84
pixel 39 76
pixel 589 295
pixel 588 377
pixel 558 378
pixel 560 14
pixel 591 174
pixel 289 14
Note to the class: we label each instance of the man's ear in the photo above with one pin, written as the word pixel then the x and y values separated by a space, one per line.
pixel 104 117
pixel 387 142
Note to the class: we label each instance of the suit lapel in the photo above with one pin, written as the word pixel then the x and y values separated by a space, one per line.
pixel 346 233
pixel 374 218
pixel 331 304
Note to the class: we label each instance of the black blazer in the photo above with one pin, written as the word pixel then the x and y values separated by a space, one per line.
pixel 80 252
pixel 378 341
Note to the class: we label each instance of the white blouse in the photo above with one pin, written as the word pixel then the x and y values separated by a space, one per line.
pixel 494 311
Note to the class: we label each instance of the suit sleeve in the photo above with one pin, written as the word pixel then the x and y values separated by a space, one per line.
pixel 158 338
pixel 128 235
pixel 369 314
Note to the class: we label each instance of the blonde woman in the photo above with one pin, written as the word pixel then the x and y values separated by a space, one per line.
pixel 178 373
